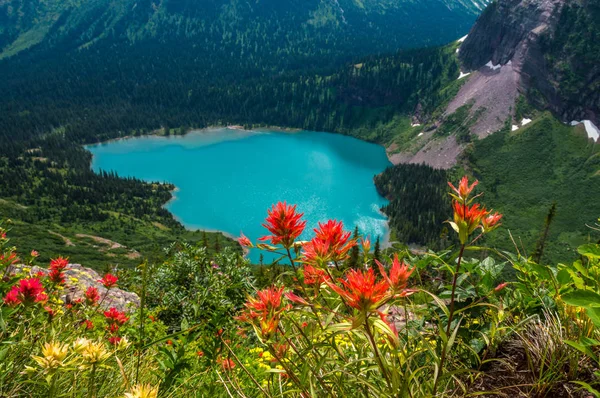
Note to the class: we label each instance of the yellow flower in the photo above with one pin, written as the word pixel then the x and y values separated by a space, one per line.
pixel 142 391
pixel 123 344
pixel 94 353
pixel 53 356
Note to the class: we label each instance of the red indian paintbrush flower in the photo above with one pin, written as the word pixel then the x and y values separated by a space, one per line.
pixel 314 276
pixel 467 219
pixel 294 298
pixel 28 291
pixel 366 245
pixel 92 296
pixel 332 232
pixel 57 267
pixel 464 190
pixel 316 252
pixel 109 281
pixel 12 297
pixel 398 277
pixel 267 308
pixel 56 276
pixel 362 291
pixel 114 316
pixel 490 222
pixel 59 263
pixel 31 291
pixel 284 223
pixel 244 241
pixel 227 364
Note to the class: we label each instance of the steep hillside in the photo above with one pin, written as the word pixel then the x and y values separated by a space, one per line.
pixel 297 28
pixel 520 56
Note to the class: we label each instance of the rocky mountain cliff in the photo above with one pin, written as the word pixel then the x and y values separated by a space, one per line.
pixel 520 56
pixel 551 49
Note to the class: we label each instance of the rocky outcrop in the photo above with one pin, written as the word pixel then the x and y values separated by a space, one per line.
pixel 551 48
pixel 78 279
pixel 507 30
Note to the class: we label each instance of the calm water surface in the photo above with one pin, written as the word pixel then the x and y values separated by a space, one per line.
pixel 227 179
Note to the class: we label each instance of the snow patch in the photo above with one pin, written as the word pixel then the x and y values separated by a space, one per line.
pixel 592 130
pixel 492 66
pixel 415 124
pixel 420 134
pixel 462 39
pixel 463 75
pixel 515 127
pixel 525 122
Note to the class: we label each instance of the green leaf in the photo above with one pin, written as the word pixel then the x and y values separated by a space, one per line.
pixel 594 315
pixel 563 277
pixel 582 298
pixel 590 250
pixel 589 388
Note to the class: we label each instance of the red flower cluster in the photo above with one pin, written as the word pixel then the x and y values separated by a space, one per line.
pixel 464 190
pixel 28 291
pixel 362 290
pixel 114 316
pixel 331 243
pixel 92 297
pixel 467 217
pixel 109 281
pixel 398 277
pixel 115 319
pixel 314 276
pixel 284 223
pixel 57 266
pixel 266 308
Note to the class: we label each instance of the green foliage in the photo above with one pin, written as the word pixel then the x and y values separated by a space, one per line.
pixel 526 171
pixel 191 287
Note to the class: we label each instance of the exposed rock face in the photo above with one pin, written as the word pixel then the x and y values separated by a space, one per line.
pixel 79 278
pixel 550 45
pixel 507 30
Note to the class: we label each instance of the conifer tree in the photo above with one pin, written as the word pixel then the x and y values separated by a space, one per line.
pixel 377 250
pixel 355 251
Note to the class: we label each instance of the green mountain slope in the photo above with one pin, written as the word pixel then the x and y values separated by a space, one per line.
pixel 238 28
pixel 524 172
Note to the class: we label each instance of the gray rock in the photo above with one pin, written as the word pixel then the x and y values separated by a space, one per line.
pixel 78 279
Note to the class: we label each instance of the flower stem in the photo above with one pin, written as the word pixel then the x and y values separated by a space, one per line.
pixel 377 354
pixel 450 317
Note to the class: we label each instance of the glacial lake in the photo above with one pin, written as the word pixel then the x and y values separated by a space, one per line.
pixel 227 179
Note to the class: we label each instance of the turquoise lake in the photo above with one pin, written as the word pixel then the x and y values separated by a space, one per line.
pixel 227 179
